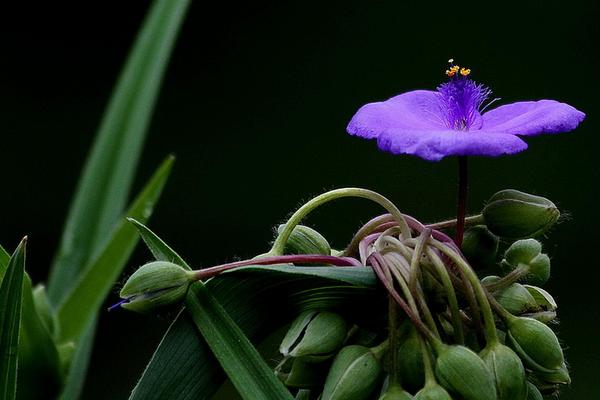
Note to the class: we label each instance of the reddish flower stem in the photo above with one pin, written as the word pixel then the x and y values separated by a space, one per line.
pixel 463 189
pixel 301 258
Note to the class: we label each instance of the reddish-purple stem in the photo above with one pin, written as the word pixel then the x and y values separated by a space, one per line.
pixel 300 259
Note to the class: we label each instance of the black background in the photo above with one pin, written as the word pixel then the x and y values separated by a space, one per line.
pixel 254 105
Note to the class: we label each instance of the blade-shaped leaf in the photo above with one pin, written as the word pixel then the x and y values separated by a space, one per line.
pixel 159 249
pixel 252 378
pixel 10 320
pixel 82 303
pixel 4 258
pixel 104 186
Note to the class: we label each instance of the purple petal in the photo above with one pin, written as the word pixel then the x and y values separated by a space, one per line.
pixel 435 145
pixel 416 110
pixel 532 118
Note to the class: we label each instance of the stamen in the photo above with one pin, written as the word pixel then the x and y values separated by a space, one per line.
pixel 115 306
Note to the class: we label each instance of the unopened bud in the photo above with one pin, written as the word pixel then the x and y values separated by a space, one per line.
pixel 533 393
pixel 516 299
pixel 410 361
pixel 461 371
pixel 305 240
pixel 508 371
pixel 558 376
pixel 535 343
pixel 432 391
pixel 314 336
pixel 395 392
pixel 528 254
pixel 295 373
pixel 155 284
pixel 516 215
pixel 480 245
pixel 353 375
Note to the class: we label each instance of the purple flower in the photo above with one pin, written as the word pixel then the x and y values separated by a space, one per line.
pixel 451 121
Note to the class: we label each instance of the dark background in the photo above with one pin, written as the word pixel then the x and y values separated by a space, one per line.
pixel 254 105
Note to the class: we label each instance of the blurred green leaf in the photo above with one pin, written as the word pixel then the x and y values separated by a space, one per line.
pixel 246 369
pixel 10 319
pixel 39 368
pixel 82 303
pixel 4 258
pixel 104 186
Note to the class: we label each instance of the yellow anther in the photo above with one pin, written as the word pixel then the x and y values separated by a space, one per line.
pixel 450 72
pixel 465 71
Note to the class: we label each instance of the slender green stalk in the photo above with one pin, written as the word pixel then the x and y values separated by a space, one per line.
pixel 442 272
pixel 279 244
pixel 513 276
pixel 429 374
pixel 393 326
pixel 491 335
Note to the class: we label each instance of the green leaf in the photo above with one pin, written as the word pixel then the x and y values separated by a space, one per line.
pixel 10 320
pixel 82 303
pixel 105 184
pixel 4 259
pixel 159 249
pixel 252 378
pixel 39 367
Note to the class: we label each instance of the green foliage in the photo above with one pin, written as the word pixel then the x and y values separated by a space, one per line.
pixel 82 304
pixel 10 319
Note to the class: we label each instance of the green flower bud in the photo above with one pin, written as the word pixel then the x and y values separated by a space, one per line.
pixel 461 371
pixel 432 391
pixel 353 375
pixel 533 393
pixel 516 215
pixel 305 240
pixel 410 362
pixel 155 284
pixel 516 299
pixel 558 376
pixel 545 302
pixel 314 336
pixel 542 298
pixel 480 246
pixel 294 372
pixel 508 371
pixel 528 254
pixel 535 343
pixel 395 392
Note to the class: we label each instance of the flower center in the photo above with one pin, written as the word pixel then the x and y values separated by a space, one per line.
pixel 462 98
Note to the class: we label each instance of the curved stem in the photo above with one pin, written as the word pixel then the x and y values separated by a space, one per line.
pixel 368 228
pixel 393 326
pixel 378 265
pixel 279 244
pixel 429 374
pixel 300 258
pixel 513 276
pixel 442 272
pixel 491 335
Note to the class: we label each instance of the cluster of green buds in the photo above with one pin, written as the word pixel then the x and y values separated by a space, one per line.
pixel 451 332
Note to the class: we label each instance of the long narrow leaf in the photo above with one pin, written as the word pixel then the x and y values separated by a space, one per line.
pixel 4 258
pixel 104 186
pixel 246 369
pixel 159 249
pixel 10 320
pixel 82 303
